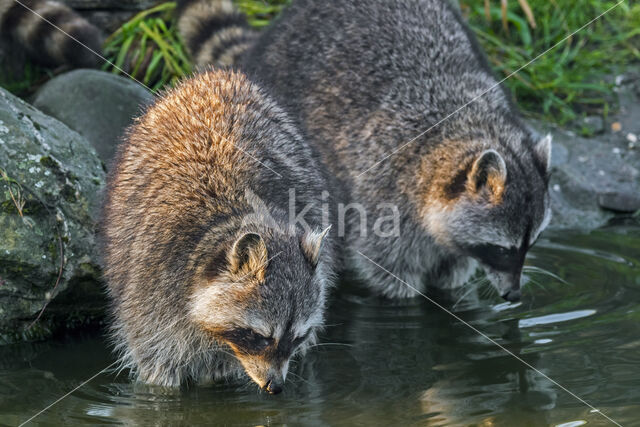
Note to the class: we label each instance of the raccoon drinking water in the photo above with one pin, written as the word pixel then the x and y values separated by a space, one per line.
pixel 401 103
pixel 208 277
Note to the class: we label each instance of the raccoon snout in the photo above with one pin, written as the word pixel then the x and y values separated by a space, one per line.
pixel 513 295
pixel 273 387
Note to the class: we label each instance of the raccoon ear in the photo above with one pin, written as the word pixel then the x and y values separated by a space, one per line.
pixel 542 151
pixel 248 255
pixel 488 171
pixel 311 244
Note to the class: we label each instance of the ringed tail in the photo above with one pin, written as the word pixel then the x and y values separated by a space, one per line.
pixel 215 31
pixel 25 22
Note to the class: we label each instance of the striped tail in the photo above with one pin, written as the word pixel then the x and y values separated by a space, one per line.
pixel 25 22
pixel 215 32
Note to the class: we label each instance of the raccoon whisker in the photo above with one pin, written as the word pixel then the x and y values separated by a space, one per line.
pixel 534 269
pixel 476 284
pixel 247 385
pixel 117 370
pixel 463 296
pixel 482 282
pixel 533 282
pixel 322 344
pixel 332 325
pixel 486 291
pixel 300 378
pixel 477 280
pixel 536 283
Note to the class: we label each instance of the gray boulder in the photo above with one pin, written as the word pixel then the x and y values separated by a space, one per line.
pixel 596 178
pixel 592 180
pixel 96 104
pixel 50 183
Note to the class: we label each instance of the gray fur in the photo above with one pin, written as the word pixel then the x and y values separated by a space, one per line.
pixel 363 77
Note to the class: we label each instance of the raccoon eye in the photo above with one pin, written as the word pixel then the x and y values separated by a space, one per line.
pixel 248 340
pixel 260 342
pixel 499 250
pixel 498 257
pixel 256 341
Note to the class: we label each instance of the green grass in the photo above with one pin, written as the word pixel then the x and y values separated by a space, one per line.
pixel 574 79
pixel 261 12
pixel 149 49
pixel 571 81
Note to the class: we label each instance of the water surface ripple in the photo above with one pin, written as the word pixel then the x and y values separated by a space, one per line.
pixel 399 363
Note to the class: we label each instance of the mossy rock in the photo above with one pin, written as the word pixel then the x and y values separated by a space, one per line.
pixel 51 180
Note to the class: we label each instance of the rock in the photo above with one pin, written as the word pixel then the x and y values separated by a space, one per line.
pixel 620 201
pixel 589 174
pixel 50 183
pixel 593 124
pixel 595 178
pixel 96 104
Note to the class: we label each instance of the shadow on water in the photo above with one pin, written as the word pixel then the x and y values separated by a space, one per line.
pixel 408 362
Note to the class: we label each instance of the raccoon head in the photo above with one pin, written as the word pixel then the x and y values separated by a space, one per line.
pixel 493 209
pixel 263 297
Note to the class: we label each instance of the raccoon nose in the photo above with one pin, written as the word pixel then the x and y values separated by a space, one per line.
pixel 272 387
pixel 513 295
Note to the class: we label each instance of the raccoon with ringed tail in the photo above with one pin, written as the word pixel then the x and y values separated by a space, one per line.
pixel 207 275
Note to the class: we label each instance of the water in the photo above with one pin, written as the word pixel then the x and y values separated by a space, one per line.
pixel 400 363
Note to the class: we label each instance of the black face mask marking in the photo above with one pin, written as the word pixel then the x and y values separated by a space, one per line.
pixel 500 258
pixel 288 344
pixel 496 257
pixel 247 340
pixel 252 343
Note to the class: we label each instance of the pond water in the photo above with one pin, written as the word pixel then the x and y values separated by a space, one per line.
pixel 399 363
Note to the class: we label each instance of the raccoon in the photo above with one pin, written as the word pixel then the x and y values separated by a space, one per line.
pixel 39 26
pixel 214 31
pixel 367 79
pixel 208 276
